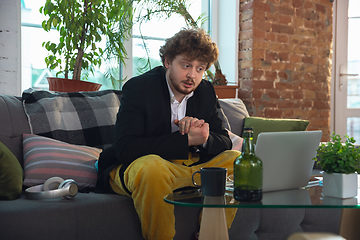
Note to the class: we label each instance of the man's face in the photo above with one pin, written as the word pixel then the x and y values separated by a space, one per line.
pixel 184 75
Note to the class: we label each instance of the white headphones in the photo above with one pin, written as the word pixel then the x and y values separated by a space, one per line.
pixel 52 188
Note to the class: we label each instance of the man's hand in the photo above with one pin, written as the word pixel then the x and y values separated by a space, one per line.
pixel 198 135
pixel 187 122
pixel 197 130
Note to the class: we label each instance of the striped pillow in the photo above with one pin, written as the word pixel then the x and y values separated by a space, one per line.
pixel 236 141
pixel 45 158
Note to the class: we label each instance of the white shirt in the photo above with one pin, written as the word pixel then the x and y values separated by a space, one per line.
pixel 178 110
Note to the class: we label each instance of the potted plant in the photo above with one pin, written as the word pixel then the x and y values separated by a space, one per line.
pixel 82 24
pixel 340 163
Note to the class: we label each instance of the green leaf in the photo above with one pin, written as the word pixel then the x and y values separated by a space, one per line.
pixel 55 22
pixel 48 25
pixel 338 156
pixel 43 25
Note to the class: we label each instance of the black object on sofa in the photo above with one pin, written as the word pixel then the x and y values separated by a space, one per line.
pixel 104 216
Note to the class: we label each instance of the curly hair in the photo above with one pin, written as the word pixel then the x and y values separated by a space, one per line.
pixel 195 44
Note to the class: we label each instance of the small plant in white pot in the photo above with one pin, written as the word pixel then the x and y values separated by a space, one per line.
pixel 340 162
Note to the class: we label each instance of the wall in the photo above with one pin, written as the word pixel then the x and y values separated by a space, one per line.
pixel 10 63
pixel 285 51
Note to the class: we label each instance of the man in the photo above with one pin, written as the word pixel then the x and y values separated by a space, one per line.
pixel 167 128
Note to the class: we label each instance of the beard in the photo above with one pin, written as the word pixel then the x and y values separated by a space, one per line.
pixel 184 86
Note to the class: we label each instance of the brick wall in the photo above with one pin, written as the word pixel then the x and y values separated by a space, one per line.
pixel 285 50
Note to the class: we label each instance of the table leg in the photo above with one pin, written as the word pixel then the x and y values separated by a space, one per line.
pixel 349 222
pixel 213 221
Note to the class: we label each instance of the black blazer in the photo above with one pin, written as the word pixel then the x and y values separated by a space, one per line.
pixel 143 125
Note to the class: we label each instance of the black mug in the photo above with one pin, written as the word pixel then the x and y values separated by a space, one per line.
pixel 213 180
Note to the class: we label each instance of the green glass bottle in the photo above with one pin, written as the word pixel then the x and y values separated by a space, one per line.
pixel 248 171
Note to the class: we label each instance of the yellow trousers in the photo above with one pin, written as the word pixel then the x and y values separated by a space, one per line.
pixel 150 178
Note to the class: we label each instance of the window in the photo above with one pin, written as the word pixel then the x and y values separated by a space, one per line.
pixel 346 73
pixel 34 71
pixel 32 54
pixel 154 33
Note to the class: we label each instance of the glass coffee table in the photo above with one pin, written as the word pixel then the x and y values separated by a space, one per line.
pixel 213 223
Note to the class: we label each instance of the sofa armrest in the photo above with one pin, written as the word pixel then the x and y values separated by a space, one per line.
pixel 13 123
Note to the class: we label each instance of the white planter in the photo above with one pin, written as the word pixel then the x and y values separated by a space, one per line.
pixel 340 185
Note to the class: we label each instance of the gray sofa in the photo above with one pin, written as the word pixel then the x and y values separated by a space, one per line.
pixel 108 216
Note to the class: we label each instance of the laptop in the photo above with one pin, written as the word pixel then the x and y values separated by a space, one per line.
pixel 287 158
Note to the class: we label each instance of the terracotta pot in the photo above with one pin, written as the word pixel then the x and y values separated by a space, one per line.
pixel 224 91
pixel 70 85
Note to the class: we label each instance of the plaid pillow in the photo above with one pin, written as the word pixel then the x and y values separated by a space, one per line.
pixel 82 118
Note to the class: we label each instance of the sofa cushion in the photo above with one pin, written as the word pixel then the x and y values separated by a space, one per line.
pixel 236 141
pixel 45 158
pixel 83 118
pixel 223 117
pixel 11 175
pixel 274 125
pixel 235 111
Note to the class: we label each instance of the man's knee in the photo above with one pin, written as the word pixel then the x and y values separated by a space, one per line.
pixel 234 153
pixel 148 161
pixel 148 170
pixel 148 165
